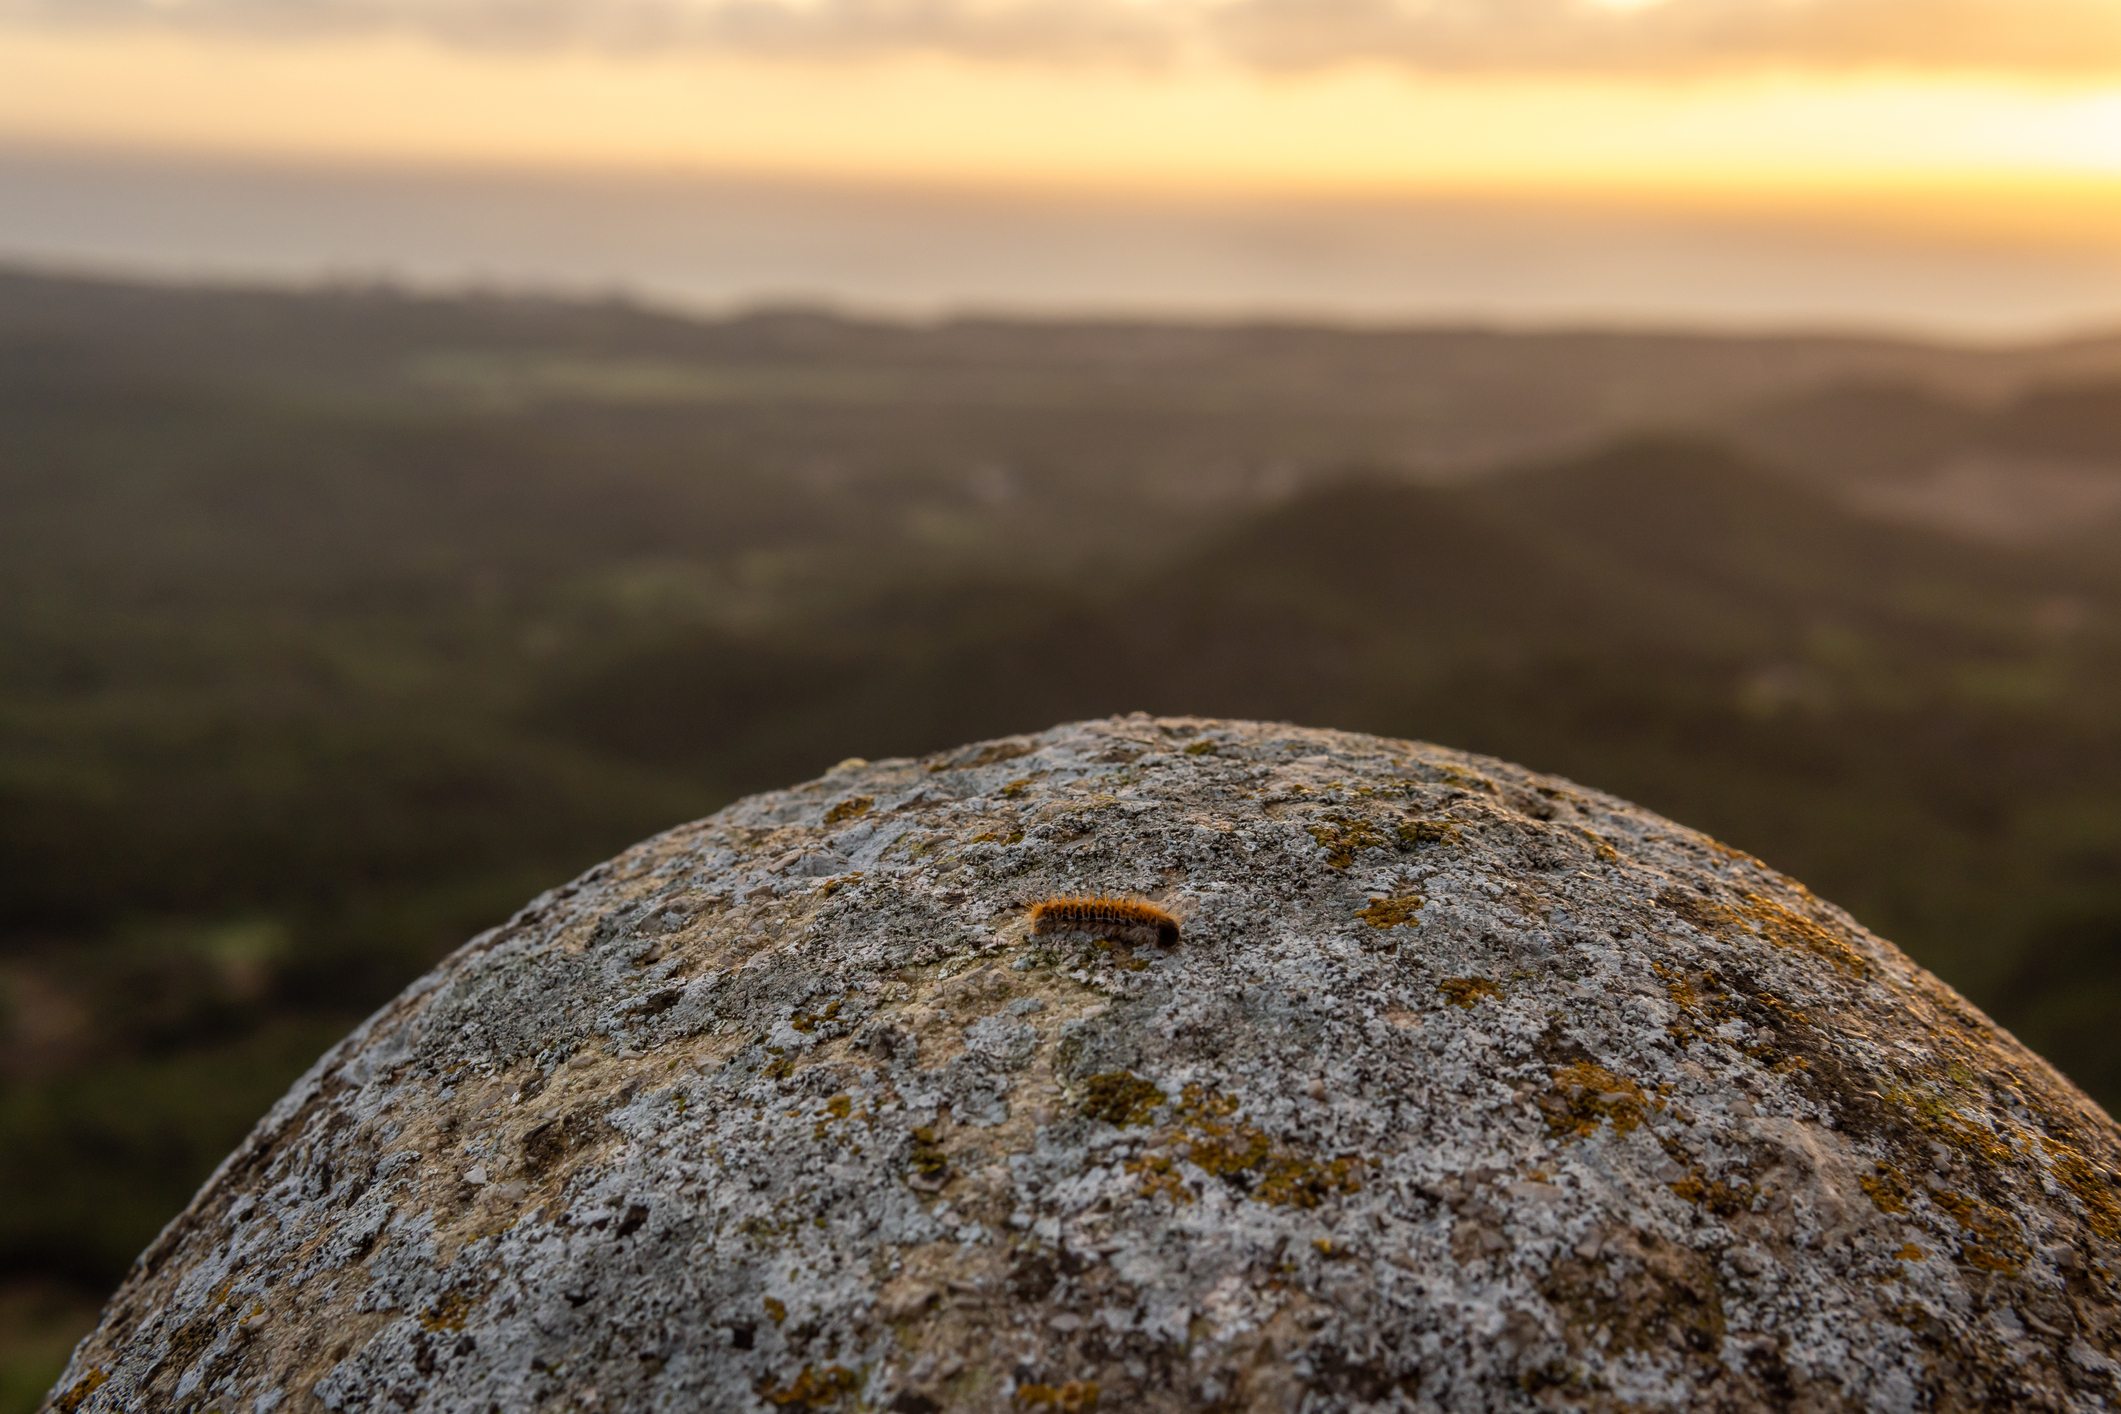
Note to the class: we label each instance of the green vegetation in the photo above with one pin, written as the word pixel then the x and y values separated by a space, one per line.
pixel 334 627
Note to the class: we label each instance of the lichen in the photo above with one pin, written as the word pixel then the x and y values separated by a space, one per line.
pixel 2102 1207
pixel 1343 839
pixel 1758 914
pixel 1209 1135
pixel 1887 1189
pixel 812 1388
pixel 1392 912
pixel 80 1390
pixel 1120 1098
pixel 1586 1095
pixel 926 1161
pixel 1467 991
pixel 448 1312
pixel 1412 834
pixel 849 808
pixel 1786 929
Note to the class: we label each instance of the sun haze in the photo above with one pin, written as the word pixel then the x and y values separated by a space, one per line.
pixel 1981 120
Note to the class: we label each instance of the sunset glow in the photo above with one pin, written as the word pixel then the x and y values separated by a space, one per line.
pixel 1957 121
pixel 1350 128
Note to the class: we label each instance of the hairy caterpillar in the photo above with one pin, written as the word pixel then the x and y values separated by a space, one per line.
pixel 1123 920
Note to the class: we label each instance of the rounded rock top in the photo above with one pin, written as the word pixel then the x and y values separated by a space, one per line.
pixel 1465 1088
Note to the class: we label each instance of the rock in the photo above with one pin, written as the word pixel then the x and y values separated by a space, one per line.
pixel 1465 1088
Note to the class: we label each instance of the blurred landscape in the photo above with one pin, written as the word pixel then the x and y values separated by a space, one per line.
pixel 336 624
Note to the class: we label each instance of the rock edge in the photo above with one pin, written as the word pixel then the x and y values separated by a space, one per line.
pixel 1467 1088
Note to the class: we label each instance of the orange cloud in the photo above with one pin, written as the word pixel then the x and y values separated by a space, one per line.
pixel 2053 38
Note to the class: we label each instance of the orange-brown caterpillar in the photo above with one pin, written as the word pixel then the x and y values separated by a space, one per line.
pixel 1123 920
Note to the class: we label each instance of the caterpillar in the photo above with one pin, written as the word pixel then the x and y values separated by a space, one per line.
pixel 1123 920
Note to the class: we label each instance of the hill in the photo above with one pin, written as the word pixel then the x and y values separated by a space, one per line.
pixel 333 625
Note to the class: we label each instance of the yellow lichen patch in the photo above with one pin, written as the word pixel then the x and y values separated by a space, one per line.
pixel 1120 1098
pixel 1157 1175
pixel 1705 914
pixel 1934 1117
pixel 1909 1252
pixel 1586 1094
pixel 1213 1140
pixel 84 1387
pixel 2076 1173
pixel 811 1388
pixel 838 1107
pixel 1074 1397
pixel 1888 1189
pixel 448 1313
pixel 1391 912
pixel 930 1167
pixel 1687 999
pixel 849 808
pixel 1772 921
pixel 1343 839
pixel 994 755
pixel 776 1311
pixel 1721 1198
pixel 1201 748
pixel 1677 987
pixel 1413 833
pixel 1733 855
pixel 1465 780
pixel 1996 1244
pixel 1786 929
pixel 1467 991
pixel 806 1022
pixel 1017 787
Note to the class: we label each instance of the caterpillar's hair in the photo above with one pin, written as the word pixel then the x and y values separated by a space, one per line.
pixel 1123 920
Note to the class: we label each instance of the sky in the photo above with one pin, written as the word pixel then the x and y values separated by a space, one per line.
pixel 1946 163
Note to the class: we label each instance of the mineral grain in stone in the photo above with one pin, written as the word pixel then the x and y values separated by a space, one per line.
pixel 1468 1089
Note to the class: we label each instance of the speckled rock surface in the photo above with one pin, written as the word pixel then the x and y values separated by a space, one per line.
pixel 1465 1089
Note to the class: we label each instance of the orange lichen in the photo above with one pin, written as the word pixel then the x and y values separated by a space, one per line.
pixel 1995 1243
pixel 1120 1098
pixel 448 1313
pixel 1768 919
pixel 1074 1397
pixel 1721 1198
pixel 1467 991
pixel 2102 1209
pixel 1212 1139
pixel 1586 1095
pixel 812 1388
pixel 1888 1189
pixel 1343 839
pixel 850 808
pixel 805 1022
pixel 931 1168
pixel 1787 929
pixel 84 1387
pixel 1414 833
pixel 1391 912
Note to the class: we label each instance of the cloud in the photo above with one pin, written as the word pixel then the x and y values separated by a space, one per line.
pixel 1679 36
pixel 1627 37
